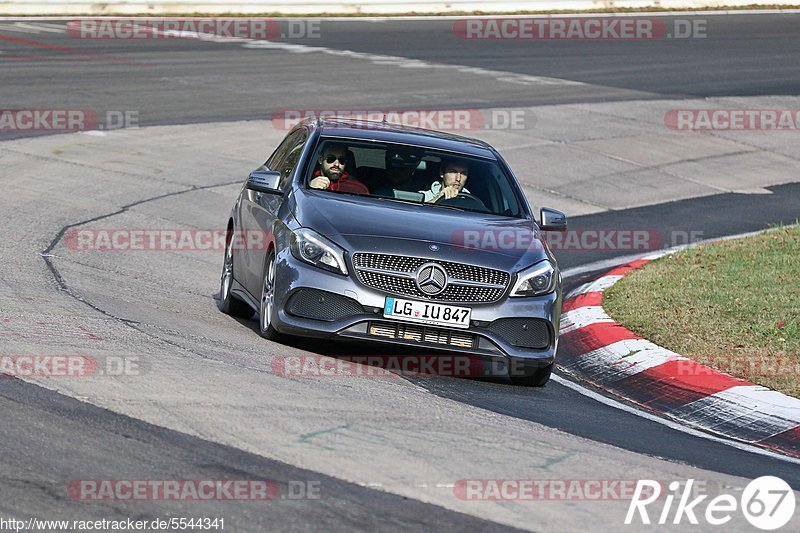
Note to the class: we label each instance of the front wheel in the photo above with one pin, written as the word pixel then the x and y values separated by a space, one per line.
pixel 532 377
pixel 267 306
pixel 228 303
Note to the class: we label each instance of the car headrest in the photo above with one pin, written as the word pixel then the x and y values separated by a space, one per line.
pixel 405 157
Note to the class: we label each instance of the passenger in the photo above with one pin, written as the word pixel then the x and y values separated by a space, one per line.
pixel 331 175
pixel 453 176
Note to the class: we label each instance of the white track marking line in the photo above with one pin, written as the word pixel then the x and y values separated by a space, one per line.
pixel 40 26
pixel 376 59
pixel 598 285
pixel 745 402
pixel 582 317
pixel 405 62
pixel 36 28
pixel 62 27
pixel 668 423
pixel 17 29
pixel 626 358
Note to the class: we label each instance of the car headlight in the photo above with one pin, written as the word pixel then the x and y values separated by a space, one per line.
pixel 315 249
pixel 536 280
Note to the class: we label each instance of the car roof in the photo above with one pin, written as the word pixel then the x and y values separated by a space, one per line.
pixel 395 133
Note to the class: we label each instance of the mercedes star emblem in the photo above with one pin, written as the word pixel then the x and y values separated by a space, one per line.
pixel 431 279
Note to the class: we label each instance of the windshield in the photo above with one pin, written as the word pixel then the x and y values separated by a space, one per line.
pixel 414 174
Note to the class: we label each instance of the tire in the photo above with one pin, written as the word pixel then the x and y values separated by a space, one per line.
pixel 533 377
pixel 266 308
pixel 228 303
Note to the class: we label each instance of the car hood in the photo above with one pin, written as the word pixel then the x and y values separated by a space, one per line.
pixel 363 224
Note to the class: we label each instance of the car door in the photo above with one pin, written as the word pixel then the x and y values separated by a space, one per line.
pixel 244 265
pixel 261 209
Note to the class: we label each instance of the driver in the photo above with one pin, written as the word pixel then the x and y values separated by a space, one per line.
pixel 453 176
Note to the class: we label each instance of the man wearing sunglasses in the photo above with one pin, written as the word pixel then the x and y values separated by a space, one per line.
pixel 331 175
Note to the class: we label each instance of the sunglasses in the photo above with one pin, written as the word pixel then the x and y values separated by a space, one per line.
pixel 331 158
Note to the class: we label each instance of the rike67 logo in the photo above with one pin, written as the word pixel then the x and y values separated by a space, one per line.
pixel 767 503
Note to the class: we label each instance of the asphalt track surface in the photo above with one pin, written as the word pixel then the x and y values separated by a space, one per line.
pixel 182 81
pixel 173 82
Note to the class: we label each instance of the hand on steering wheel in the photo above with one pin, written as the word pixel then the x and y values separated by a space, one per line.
pixel 465 200
pixel 448 192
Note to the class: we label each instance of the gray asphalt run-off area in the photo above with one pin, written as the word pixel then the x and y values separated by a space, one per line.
pixel 210 376
pixel 388 452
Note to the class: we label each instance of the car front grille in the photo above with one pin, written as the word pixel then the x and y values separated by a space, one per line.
pixel 395 274
pixel 423 334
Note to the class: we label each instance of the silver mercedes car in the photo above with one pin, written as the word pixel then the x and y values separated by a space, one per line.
pixel 356 230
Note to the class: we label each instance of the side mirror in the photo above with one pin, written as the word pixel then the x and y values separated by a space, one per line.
pixel 264 181
pixel 552 220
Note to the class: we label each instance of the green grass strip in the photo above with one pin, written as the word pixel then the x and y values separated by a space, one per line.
pixel 734 306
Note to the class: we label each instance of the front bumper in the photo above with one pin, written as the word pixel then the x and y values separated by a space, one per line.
pixel 364 316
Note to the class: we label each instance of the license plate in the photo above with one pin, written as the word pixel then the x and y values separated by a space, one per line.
pixel 427 313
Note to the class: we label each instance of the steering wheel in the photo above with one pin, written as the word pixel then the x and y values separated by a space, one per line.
pixel 464 200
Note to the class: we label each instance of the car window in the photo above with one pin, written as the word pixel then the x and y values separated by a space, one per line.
pixel 286 166
pixel 506 205
pixel 277 157
pixel 407 173
pixel 369 157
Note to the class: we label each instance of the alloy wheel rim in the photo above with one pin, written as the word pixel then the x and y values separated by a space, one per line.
pixel 227 271
pixel 267 294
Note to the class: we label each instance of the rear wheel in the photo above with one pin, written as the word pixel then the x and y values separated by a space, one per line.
pixel 533 377
pixel 267 306
pixel 228 303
